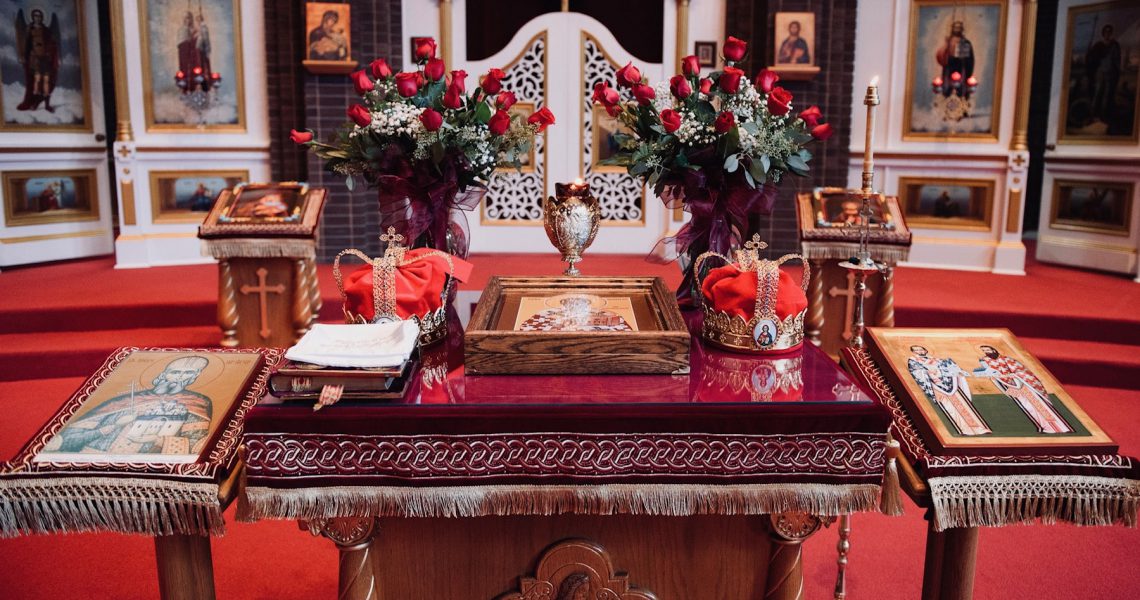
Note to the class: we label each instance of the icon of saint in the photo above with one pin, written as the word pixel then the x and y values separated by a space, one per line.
pixel 944 384
pixel 327 40
pixel 38 52
pixel 1017 382
pixel 794 49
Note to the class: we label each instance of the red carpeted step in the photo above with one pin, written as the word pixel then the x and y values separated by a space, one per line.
pixel 68 353
pixel 1076 362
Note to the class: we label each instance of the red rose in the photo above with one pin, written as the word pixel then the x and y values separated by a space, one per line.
pixel 360 115
pixel 671 119
pixel 425 49
pixel 380 69
pixel 680 87
pixel 505 100
pixel 730 79
pixel 766 80
pixel 543 118
pixel 613 110
pixel 434 69
pixel 628 76
pixel 690 66
pixel 407 84
pixel 734 49
pixel 361 83
pixel 706 85
pixel 500 122
pixel 493 81
pixel 811 116
pixel 431 119
pixel 606 95
pixel 779 101
pixel 822 131
pixel 459 78
pixel 301 137
pixel 453 97
pixel 644 94
pixel 724 122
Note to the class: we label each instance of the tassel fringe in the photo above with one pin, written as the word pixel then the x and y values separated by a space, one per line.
pixel 890 503
pixel 259 248
pixel 997 500
pixel 889 253
pixel 507 500
pixel 79 504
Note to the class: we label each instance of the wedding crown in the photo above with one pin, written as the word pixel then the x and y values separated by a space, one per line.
pixel 433 324
pixel 767 330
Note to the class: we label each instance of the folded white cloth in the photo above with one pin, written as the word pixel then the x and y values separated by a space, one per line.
pixel 363 346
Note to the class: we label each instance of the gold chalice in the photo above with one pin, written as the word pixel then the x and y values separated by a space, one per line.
pixel 571 219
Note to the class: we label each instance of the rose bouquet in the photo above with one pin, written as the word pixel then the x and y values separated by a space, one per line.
pixel 427 144
pixel 716 145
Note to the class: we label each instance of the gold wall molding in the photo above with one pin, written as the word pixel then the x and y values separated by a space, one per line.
pixel 1020 140
pixel 127 200
pixel 200 150
pixel 1084 244
pixel 445 10
pixel 682 32
pixel 54 236
pixel 1013 214
pixel 123 132
pixel 933 156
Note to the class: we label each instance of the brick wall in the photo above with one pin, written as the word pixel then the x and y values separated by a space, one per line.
pixel 830 90
pixel 300 99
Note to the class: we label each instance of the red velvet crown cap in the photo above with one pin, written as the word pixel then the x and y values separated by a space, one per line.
pixel 419 284
pixel 728 289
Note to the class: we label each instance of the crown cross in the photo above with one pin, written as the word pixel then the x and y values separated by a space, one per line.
pixel 395 242
pixel 749 256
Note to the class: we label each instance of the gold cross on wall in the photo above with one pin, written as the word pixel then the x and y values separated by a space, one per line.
pixel 1018 160
pixel 261 290
pixel 124 152
pixel 849 303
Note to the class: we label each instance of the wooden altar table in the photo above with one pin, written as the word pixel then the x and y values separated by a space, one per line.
pixel 687 486
pixel 963 493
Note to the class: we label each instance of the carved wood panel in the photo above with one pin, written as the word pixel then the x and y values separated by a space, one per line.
pixel 576 570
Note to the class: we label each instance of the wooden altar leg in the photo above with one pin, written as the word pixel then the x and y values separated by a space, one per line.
pixel 353 537
pixel 842 547
pixel 959 557
pixel 302 298
pixel 185 567
pixel 813 324
pixel 885 316
pixel 932 568
pixel 314 290
pixel 227 305
pixel 788 531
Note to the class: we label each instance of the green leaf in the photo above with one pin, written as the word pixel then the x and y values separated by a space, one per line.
pixel 751 127
pixel 732 163
pixel 797 164
pixel 757 171
pixel 638 169
pixel 681 160
pixel 437 151
pixel 483 112
pixel 705 111
pixel 766 162
pixel 805 154
pixel 350 183
pixel 748 178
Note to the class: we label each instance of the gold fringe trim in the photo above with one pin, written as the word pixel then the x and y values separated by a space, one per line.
pixel 892 254
pixel 259 248
pixel 997 500
pixel 79 504
pixel 507 500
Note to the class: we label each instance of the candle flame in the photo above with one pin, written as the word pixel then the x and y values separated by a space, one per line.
pixel 875 81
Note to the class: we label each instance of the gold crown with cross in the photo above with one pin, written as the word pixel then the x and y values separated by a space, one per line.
pixel 433 324
pixel 767 330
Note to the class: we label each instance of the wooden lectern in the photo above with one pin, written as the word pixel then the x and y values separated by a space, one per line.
pixel 830 225
pixel 265 239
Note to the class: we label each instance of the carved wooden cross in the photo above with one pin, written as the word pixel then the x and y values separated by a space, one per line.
pixel 261 290
pixel 849 304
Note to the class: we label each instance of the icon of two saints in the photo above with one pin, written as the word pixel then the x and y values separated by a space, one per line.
pixel 945 384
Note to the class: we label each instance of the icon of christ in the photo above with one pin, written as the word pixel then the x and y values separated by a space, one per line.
pixel 166 419
pixel 944 383
pixel 1023 387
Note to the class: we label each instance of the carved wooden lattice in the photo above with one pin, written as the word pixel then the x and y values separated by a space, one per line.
pixel 576 570
pixel 621 196
pixel 514 196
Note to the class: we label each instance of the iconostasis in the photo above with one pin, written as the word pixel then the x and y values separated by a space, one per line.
pixel 53 161
pixel 950 135
pixel 1092 180
pixel 191 106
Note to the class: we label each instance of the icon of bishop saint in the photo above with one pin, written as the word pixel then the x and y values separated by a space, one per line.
pixel 944 384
